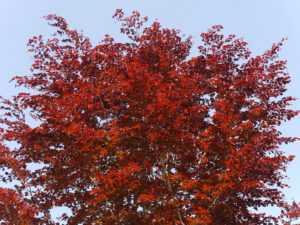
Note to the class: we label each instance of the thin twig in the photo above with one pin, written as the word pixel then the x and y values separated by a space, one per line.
pixel 170 190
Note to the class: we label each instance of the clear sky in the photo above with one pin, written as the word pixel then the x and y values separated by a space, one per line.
pixel 259 22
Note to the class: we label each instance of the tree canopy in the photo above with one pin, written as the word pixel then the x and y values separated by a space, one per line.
pixel 141 132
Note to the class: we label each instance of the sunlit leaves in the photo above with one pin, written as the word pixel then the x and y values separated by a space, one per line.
pixel 140 133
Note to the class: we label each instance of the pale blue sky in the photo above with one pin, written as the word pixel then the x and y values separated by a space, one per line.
pixel 260 22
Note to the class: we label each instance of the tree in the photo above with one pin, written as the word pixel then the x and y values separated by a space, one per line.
pixel 142 133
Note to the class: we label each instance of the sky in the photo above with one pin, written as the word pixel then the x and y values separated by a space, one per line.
pixel 260 22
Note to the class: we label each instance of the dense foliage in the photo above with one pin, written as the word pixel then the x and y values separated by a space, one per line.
pixel 142 133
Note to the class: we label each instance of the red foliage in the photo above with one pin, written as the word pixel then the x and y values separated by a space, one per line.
pixel 14 209
pixel 141 133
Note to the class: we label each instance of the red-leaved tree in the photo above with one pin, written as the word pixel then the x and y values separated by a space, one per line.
pixel 142 133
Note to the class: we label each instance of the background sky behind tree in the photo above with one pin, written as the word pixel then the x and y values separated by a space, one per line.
pixel 259 22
